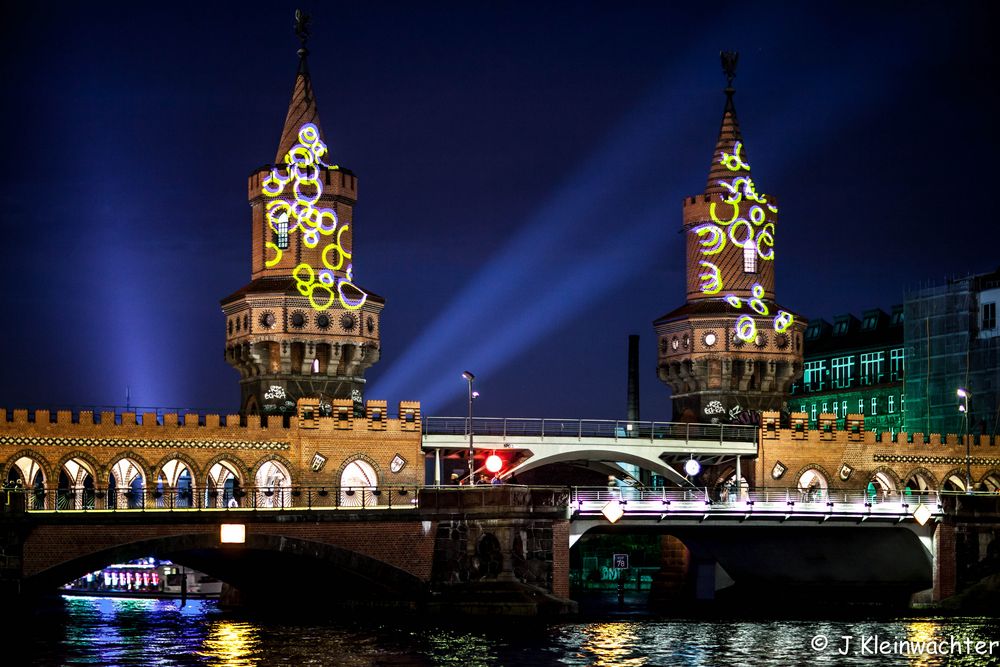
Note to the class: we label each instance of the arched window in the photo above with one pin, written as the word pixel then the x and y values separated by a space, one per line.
pixel 358 483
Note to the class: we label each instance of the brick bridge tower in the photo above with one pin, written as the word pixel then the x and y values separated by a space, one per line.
pixel 730 351
pixel 302 327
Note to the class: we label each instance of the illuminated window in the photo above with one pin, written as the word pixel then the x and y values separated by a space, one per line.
pixel 902 402
pixel 871 367
pixel 843 408
pixel 814 372
pixel 874 404
pixel 802 408
pixel 861 406
pixel 892 404
pixel 989 314
pixel 281 236
pixel 749 257
pixel 842 369
pixel 835 410
pixel 840 328
pixel 897 364
pixel 824 410
pixel 813 412
pixel 315 368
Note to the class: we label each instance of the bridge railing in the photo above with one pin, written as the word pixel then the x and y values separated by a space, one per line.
pixel 148 499
pixel 781 501
pixel 589 428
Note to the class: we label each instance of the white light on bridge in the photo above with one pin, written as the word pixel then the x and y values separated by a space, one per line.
pixel 692 467
pixel 613 511
pixel 922 514
pixel 233 533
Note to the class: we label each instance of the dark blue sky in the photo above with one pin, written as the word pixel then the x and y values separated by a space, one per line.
pixel 521 171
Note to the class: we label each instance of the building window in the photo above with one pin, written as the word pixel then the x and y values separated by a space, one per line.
pixel 749 257
pixel 842 368
pixel 871 367
pixel 843 409
pixel 825 410
pixel 835 410
pixel 861 406
pixel 315 366
pixel 874 405
pixel 802 408
pixel 813 378
pixel 814 412
pixel 902 402
pixel 840 328
pixel 892 406
pixel 281 235
pixel 989 316
pixel 897 364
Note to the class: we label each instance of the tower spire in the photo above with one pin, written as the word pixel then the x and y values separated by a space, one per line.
pixel 729 132
pixel 302 107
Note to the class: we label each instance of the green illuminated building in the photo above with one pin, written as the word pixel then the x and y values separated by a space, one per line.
pixel 855 366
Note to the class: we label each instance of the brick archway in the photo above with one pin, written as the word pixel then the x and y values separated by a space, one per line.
pixel 217 560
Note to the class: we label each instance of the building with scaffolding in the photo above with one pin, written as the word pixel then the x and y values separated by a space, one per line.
pixel 952 343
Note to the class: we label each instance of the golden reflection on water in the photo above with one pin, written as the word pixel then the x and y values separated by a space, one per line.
pixel 924 631
pixel 611 645
pixel 231 644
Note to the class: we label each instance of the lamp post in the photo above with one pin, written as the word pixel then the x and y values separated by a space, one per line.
pixel 964 409
pixel 472 394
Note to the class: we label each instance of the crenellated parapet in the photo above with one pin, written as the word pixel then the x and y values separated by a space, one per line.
pixel 799 456
pixel 251 450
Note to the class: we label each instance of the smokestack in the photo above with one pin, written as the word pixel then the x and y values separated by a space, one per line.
pixel 633 378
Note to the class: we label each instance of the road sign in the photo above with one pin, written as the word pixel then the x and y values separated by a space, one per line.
pixel 621 561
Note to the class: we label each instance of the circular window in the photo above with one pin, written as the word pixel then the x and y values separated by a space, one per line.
pixel 267 320
pixel 237 324
pixel 760 340
pixel 736 340
pixel 347 322
pixel 675 343
pixel 298 319
pixel 687 341
pixel 323 321
pixel 781 341
pixel 370 324
pixel 709 339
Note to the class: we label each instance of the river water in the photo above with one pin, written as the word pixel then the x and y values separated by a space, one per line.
pixel 114 631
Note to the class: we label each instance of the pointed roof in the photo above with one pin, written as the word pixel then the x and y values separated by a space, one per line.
pixel 729 134
pixel 302 109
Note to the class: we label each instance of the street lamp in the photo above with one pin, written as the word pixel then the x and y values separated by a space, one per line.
pixel 472 394
pixel 964 409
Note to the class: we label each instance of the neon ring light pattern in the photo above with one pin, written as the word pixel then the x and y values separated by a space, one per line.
pixel 753 233
pixel 293 196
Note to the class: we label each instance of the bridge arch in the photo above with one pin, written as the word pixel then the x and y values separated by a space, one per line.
pixel 286 558
pixel 886 480
pixel 921 480
pixel 174 480
pixel 79 473
pixel 33 471
pixel 953 480
pixel 224 475
pixel 273 481
pixel 812 477
pixel 991 481
pixel 358 473
pixel 127 476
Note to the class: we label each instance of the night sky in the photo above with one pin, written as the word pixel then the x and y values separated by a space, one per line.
pixel 521 169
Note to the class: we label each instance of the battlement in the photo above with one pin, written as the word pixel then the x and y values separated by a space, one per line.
pixel 307 417
pixel 827 432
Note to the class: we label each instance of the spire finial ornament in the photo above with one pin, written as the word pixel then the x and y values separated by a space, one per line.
pixel 302 21
pixel 729 60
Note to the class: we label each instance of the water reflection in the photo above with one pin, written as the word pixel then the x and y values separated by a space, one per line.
pixel 231 644
pixel 107 631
